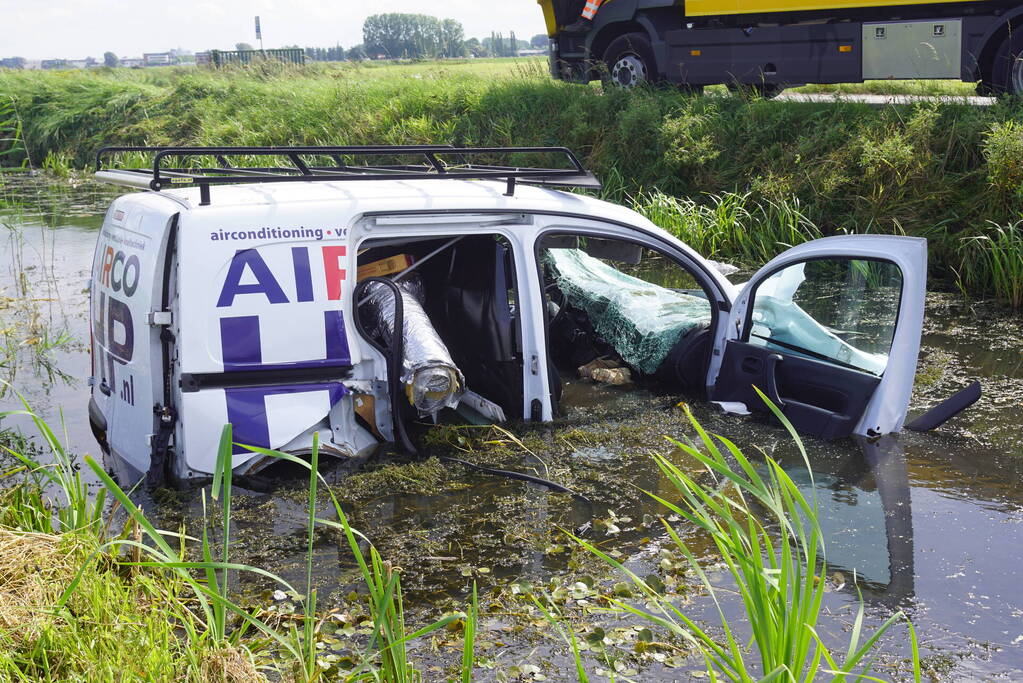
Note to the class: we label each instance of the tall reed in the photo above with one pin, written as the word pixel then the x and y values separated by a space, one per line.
pixel 995 258
pixel 730 225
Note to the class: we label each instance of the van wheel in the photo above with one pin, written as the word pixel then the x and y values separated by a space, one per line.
pixel 1005 77
pixel 629 62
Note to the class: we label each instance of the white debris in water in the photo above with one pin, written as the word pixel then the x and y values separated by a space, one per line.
pixel 725 269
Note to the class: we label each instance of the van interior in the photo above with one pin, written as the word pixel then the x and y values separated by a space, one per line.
pixel 470 295
pixel 609 303
pixel 614 304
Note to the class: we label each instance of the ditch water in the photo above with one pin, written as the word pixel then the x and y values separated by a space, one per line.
pixel 929 523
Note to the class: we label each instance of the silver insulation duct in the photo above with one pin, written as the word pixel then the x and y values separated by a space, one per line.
pixel 431 379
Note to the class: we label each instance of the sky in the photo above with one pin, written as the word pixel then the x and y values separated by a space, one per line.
pixel 75 29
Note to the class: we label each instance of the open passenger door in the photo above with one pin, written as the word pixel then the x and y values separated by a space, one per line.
pixel 829 331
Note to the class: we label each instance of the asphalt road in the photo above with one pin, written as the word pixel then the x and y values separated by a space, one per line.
pixel 883 100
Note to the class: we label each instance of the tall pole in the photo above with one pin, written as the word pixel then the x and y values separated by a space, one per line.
pixel 259 34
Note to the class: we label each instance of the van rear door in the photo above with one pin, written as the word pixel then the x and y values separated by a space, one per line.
pixel 126 289
pixel 830 332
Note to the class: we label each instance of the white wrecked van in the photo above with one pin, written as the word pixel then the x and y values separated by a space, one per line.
pixel 257 287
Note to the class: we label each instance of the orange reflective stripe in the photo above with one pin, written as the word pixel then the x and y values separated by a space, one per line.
pixel 591 8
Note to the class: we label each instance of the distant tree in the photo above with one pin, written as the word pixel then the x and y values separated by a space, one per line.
pixel 475 48
pixel 513 44
pixel 451 39
pixel 324 54
pixel 242 46
pixel 110 59
pixel 12 63
pixel 497 45
pixel 412 35
pixel 357 53
pixel 539 41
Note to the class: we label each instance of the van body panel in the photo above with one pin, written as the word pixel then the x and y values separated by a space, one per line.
pixel 264 290
pixel 270 416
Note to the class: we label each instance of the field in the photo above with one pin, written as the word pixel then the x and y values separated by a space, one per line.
pixel 736 177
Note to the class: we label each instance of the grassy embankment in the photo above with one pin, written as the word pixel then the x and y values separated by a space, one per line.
pixel 737 178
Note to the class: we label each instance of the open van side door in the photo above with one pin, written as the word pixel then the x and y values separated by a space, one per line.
pixel 830 331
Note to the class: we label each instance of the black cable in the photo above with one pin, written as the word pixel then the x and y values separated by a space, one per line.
pixel 521 476
pixel 393 355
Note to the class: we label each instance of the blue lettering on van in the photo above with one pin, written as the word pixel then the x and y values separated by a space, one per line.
pixel 265 283
pixel 334 273
pixel 242 349
pixel 303 274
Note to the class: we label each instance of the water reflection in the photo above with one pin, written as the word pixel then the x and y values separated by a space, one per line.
pixel 865 506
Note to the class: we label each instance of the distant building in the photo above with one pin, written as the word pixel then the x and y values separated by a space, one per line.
pixel 132 62
pixel 12 63
pixel 54 64
pixel 158 58
pixel 203 58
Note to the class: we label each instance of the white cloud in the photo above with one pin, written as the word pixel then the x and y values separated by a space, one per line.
pixel 78 28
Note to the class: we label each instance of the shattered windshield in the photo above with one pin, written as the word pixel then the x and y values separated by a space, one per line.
pixel 640 319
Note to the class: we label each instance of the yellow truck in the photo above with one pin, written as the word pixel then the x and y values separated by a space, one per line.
pixel 768 45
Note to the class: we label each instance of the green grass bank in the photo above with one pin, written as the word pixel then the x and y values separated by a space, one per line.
pixel 735 177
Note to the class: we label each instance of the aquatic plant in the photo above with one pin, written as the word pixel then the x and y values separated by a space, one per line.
pixel 31 507
pixel 730 225
pixel 385 656
pixel 12 142
pixel 768 536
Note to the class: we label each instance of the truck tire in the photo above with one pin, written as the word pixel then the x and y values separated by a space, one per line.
pixel 629 62
pixel 1005 75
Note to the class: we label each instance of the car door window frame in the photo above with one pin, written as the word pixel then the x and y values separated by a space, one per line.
pixel 717 301
pixel 747 324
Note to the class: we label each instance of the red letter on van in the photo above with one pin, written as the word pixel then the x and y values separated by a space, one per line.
pixel 332 271
pixel 108 262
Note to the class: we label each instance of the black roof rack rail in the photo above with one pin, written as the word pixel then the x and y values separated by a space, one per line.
pixel 304 164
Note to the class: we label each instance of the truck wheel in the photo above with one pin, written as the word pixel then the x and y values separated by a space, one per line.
pixel 1005 76
pixel 629 62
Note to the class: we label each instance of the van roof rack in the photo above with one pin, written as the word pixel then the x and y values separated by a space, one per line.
pixel 186 166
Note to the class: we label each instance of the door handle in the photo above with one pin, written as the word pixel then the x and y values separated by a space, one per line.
pixel 772 382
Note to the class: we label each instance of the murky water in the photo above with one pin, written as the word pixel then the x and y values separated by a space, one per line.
pixel 930 523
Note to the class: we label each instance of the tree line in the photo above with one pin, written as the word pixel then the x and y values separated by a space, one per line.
pixel 396 36
pixel 419 36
